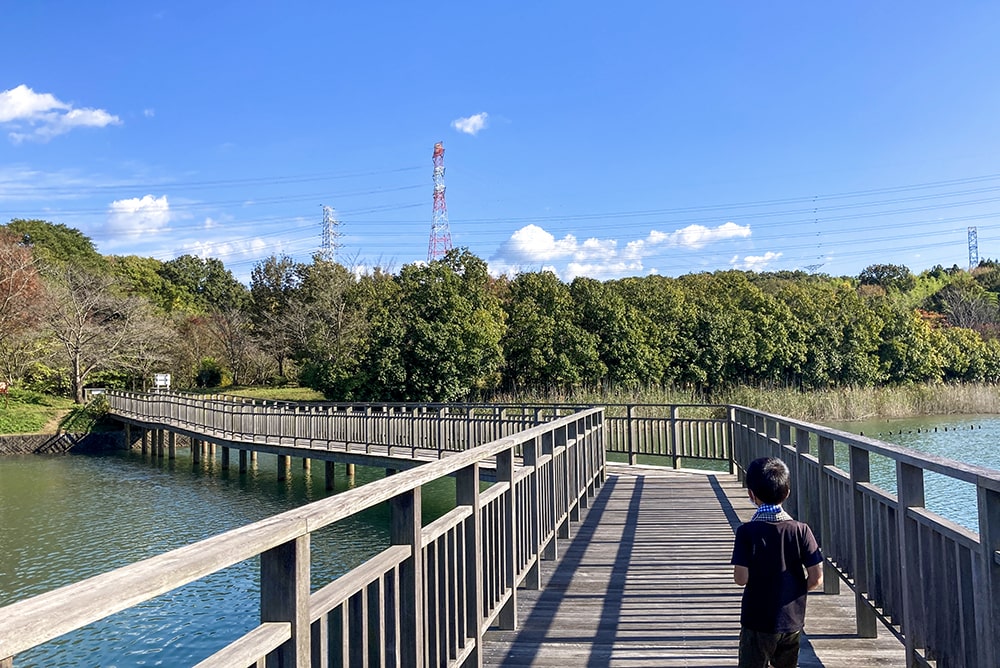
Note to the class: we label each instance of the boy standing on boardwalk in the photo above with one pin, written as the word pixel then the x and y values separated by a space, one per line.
pixel 778 561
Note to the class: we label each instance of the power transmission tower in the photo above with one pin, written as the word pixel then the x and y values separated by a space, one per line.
pixel 440 241
pixel 973 249
pixel 331 235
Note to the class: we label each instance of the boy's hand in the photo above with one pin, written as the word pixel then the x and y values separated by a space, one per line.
pixel 814 577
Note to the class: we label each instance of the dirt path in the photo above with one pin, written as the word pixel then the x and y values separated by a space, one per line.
pixel 52 426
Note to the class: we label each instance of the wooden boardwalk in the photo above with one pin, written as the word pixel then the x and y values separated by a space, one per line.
pixel 646 581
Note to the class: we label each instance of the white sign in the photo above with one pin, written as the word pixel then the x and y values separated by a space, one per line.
pixel 161 380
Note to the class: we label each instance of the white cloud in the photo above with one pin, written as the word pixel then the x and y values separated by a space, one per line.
pixel 41 116
pixel 471 125
pixel 149 113
pixel 754 262
pixel 531 247
pixel 227 250
pixel 697 236
pixel 138 216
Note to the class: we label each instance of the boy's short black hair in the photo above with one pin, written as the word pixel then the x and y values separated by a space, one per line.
pixel 769 480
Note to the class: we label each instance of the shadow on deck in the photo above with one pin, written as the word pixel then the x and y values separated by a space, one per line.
pixel 646 581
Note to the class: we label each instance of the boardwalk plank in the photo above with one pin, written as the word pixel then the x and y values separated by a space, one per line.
pixel 646 581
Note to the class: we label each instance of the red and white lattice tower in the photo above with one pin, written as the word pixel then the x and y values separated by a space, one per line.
pixel 440 242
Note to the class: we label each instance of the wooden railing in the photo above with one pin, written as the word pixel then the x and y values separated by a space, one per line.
pixel 426 600
pixel 405 428
pixel 661 431
pixel 936 583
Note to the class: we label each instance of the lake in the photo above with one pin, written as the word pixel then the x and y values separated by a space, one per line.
pixel 66 518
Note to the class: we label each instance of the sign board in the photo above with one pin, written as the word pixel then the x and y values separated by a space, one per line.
pixel 161 381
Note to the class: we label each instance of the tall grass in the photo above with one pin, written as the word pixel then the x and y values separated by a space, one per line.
pixel 839 405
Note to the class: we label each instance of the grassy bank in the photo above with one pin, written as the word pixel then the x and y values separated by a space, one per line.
pixel 30 412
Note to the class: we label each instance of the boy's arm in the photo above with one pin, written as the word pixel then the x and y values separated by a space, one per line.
pixel 814 577
pixel 741 575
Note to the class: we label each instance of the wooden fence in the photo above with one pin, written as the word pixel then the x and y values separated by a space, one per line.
pixel 426 600
pixel 935 582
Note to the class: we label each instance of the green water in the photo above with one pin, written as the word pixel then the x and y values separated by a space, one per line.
pixel 971 439
pixel 65 518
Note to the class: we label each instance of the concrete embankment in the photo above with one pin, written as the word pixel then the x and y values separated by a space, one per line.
pixel 59 444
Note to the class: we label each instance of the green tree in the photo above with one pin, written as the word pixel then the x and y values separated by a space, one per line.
pixel 453 324
pixel 57 245
pixel 207 281
pixel 274 283
pixel 890 277
pixel 544 348
pixel 329 320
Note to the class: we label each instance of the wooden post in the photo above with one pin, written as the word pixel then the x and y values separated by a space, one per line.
pixel 329 471
pixel 284 597
pixel 243 461
pixel 404 529
pixel 551 550
pixel 865 613
pixel 467 494
pixel 831 579
pixel 533 578
pixel 675 438
pixel 225 458
pixel 802 497
pixel 128 436
pixel 145 441
pixel 632 436
pixel 350 470
pixel 284 467
pixel 306 464
pixel 171 445
pixel 988 594
pixel 507 619
pixel 910 494
pixel 560 460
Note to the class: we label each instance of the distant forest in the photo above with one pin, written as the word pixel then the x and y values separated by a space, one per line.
pixel 448 331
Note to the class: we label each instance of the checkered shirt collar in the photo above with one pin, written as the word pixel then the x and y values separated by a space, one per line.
pixel 767 512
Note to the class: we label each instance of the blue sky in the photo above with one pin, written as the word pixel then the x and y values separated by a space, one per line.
pixel 595 139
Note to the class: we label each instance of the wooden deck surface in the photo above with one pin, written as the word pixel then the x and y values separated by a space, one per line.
pixel 646 581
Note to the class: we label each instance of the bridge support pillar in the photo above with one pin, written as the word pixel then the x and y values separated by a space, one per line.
pixel 225 458
pixel 306 464
pixel 159 444
pixel 284 467
pixel 145 441
pixel 350 470
pixel 171 445
pixel 329 474
pixel 243 461
pixel 195 451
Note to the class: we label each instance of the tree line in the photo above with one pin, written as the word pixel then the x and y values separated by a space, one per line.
pixel 447 330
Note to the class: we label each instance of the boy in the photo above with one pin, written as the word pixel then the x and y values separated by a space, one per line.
pixel 778 561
